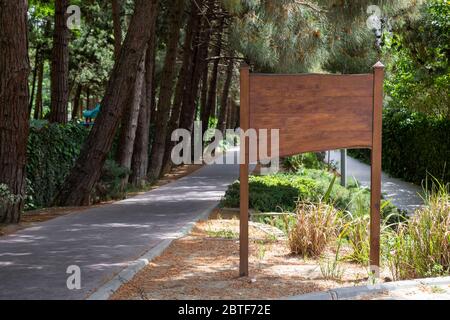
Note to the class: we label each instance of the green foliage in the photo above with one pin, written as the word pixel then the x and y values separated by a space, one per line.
pixel 223 234
pixel 306 160
pixel 91 48
pixel 331 268
pixel 420 247
pixel 7 198
pixel 110 185
pixel 418 71
pixel 413 146
pixel 277 36
pixel 274 193
pixel 52 151
pixel 281 192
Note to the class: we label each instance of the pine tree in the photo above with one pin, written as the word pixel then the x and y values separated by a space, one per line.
pixel 86 172
pixel 176 9
pixel 14 113
pixel 60 65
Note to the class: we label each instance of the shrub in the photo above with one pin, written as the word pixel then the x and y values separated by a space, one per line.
pixel 305 160
pixel 7 198
pixel 52 151
pixel 280 192
pixel 413 146
pixel 110 186
pixel 316 226
pixel 273 193
pixel 420 247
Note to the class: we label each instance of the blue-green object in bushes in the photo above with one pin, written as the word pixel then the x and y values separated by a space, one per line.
pixel 92 114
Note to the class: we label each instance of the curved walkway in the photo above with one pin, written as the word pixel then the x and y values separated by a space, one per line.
pixel 103 241
pixel 402 194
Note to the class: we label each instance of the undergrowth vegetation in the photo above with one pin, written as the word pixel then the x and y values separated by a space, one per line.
pixel 420 246
pixel 321 215
pixel 52 152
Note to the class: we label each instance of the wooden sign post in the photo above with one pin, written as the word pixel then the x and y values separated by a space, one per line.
pixel 314 112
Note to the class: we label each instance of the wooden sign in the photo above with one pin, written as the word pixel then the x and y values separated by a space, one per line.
pixel 314 112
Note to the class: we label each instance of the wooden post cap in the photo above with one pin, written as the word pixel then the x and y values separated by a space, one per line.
pixel 378 65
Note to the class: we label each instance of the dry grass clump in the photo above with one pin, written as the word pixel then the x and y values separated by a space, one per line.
pixel 316 225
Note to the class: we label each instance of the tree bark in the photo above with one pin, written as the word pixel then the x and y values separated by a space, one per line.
pixel 212 93
pixel 222 123
pixel 60 65
pixel 86 172
pixel 204 93
pixel 14 124
pixel 76 102
pixel 190 96
pixel 130 122
pixel 184 78
pixel 166 89
pixel 35 72
pixel 230 110
pixel 40 80
pixel 139 161
pixel 88 99
pixel 117 25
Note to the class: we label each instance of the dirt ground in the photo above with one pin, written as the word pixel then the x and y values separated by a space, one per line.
pixel 204 265
pixel 30 218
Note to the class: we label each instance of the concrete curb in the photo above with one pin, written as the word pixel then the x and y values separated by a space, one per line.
pixel 110 287
pixel 355 292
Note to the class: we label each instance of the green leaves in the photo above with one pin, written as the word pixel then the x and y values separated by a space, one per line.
pixel 413 146
pixel 51 153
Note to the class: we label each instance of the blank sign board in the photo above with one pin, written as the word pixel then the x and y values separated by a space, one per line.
pixel 311 110
pixel 314 112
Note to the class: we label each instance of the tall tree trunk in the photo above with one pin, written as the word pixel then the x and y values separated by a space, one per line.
pixel 117 24
pixel 130 122
pixel 14 125
pixel 200 64
pixel 212 93
pixel 86 172
pixel 40 80
pixel 76 102
pixel 60 65
pixel 230 110
pixel 166 89
pixel 88 98
pixel 184 79
pixel 139 161
pixel 236 115
pixel 35 72
pixel 222 123
pixel 204 94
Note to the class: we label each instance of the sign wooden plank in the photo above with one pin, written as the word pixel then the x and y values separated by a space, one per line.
pixel 244 154
pixel 314 112
pixel 375 196
pixel 311 110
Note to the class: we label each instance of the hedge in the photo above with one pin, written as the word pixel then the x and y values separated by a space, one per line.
pixel 52 151
pixel 281 192
pixel 414 145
